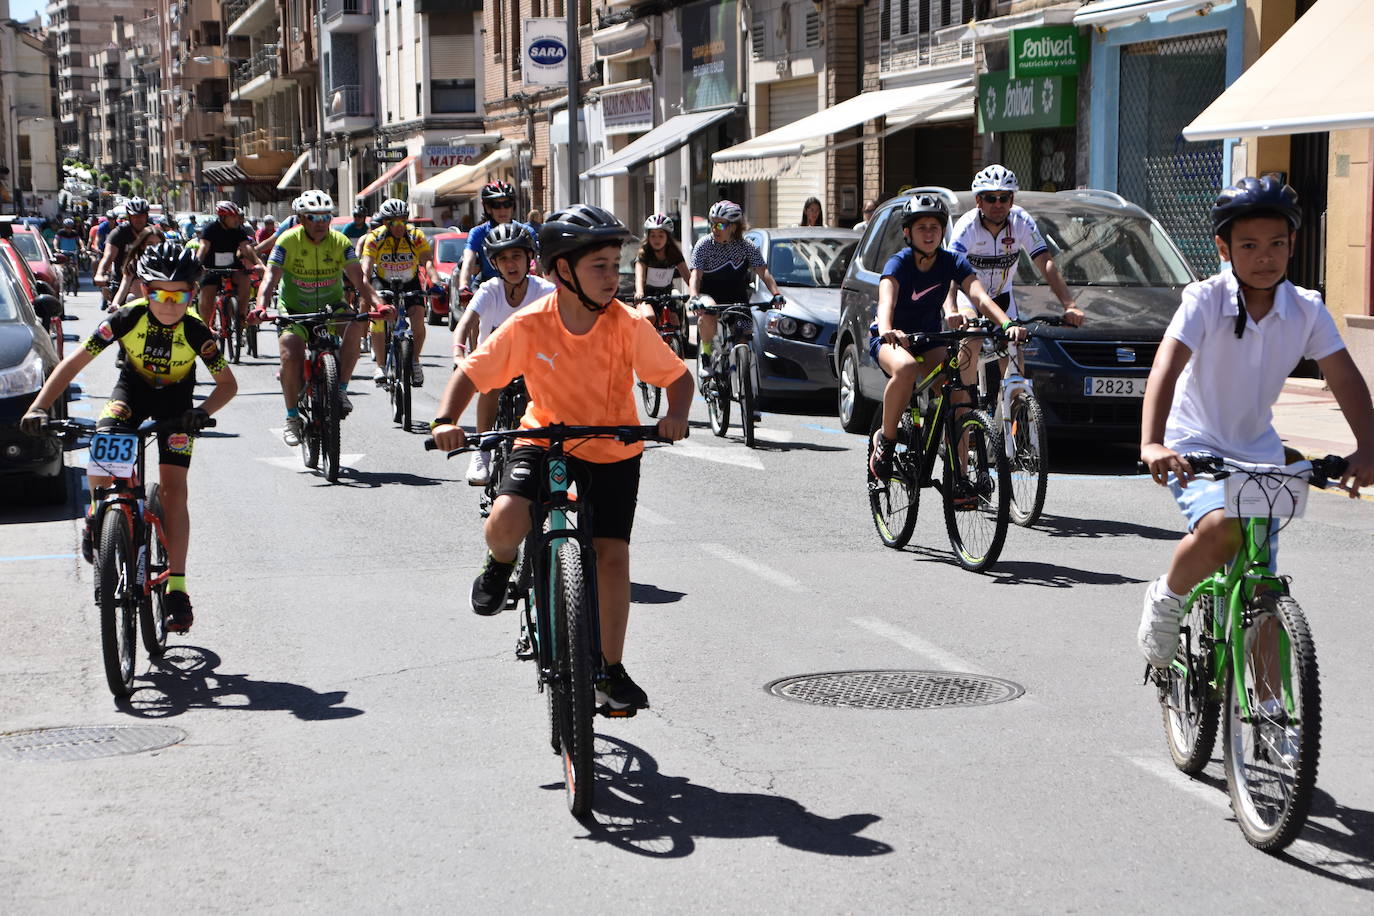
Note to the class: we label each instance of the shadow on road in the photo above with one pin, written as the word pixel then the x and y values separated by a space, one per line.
pixel 18 505
pixel 352 477
pixel 1052 575
pixel 640 810
pixel 1061 526
pixel 644 593
pixel 186 678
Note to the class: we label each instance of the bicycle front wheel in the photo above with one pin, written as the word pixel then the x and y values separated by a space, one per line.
pixel 1271 754
pixel 1030 465
pixel 329 411
pixel 153 606
pixel 233 330
pixel 401 390
pixel 744 372
pixel 1190 709
pixel 118 602
pixel 893 502
pixel 717 398
pixel 976 492
pixel 572 606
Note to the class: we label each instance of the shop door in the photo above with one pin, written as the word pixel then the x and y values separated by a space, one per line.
pixel 1164 85
pixel 787 102
pixel 1308 155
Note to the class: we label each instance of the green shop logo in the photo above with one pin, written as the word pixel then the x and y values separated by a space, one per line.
pixel 1045 51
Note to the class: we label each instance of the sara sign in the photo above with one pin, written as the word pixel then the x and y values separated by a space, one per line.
pixel 1005 103
pixel 437 158
pixel 1053 50
pixel 545 51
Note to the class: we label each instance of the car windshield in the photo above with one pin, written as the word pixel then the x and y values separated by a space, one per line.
pixel 816 262
pixel 28 246
pixel 1106 250
pixel 450 250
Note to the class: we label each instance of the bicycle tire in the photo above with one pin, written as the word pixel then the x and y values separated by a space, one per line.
pixel 651 396
pixel 329 411
pixel 1268 826
pixel 405 379
pixel 744 370
pixel 977 530
pixel 895 506
pixel 1188 705
pixel 234 335
pixel 717 394
pixel 1029 461
pixel 153 616
pixel 118 603
pixel 310 427
pixel 577 700
pixel 238 333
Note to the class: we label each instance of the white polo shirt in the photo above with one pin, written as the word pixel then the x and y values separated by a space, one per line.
pixel 1223 400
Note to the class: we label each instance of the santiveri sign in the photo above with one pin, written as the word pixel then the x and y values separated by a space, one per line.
pixel 1053 50
pixel 1006 104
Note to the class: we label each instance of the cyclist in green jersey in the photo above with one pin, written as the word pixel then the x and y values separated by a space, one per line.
pixel 310 261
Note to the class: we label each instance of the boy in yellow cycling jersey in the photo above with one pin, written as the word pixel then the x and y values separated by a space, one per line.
pixel 579 350
pixel 398 251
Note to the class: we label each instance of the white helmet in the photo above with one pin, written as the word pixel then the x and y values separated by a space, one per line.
pixel 726 210
pixel 659 221
pixel 393 209
pixel 995 178
pixel 313 202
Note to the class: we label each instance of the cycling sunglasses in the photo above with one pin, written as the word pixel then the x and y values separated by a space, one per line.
pixel 170 296
pixel 995 198
pixel 318 217
pixel 721 225
pixel 501 204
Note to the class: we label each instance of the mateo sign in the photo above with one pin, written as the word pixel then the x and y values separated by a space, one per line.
pixel 1055 50
pixel 545 51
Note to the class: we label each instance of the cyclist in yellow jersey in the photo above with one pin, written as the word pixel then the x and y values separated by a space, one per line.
pixel 397 251
pixel 310 261
pixel 161 339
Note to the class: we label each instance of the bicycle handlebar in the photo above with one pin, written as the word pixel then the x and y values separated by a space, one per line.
pixel 720 307
pixel 558 432
pixel 76 427
pixel 1214 467
pixel 309 317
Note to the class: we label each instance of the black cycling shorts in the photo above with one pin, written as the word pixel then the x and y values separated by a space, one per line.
pixel 612 490
pixel 132 402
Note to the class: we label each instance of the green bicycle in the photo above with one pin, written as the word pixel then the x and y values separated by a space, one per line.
pixel 1245 647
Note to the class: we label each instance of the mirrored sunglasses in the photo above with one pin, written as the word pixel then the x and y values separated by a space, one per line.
pixel 318 217
pixel 995 198
pixel 171 297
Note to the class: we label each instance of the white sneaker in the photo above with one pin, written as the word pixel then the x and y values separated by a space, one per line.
pixel 417 374
pixel 1159 625
pixel 294 431
pixel 479 472
pixel 378 376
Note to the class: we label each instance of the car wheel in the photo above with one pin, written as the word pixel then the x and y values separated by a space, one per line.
pixel 855 410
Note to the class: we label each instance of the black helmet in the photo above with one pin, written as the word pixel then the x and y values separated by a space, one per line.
pixel 1250 196
pixel 576 228
pixel 168 262
pixel 919 205
pixel 360 210
pixel 497 190
pixel 508 235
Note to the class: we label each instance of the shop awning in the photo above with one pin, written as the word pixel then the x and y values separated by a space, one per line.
pixel 657 143
pixel 1309 81
pixel 387 176
pixel 778 153
pixel 292 172
pixel 1106 14
pixel 460 180
pixel 228 173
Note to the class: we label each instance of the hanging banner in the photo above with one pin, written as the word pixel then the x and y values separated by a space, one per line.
pixel 1011 104
pixel 710 66
pixel 544 51
pixel 1052 50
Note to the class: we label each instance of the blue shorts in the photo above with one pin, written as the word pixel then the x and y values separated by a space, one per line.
pixel 875 342
pixel 1204 496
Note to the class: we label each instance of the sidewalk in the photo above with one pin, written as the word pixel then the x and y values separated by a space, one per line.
pixel 1309 420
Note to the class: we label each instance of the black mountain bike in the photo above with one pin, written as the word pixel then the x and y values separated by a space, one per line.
pixel 976 479
pixel 399 380
pixel 510 407
pixel 734 372
pixel 671 324
pixel 557 577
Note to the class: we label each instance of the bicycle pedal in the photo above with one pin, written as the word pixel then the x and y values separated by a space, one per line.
pixel 606 710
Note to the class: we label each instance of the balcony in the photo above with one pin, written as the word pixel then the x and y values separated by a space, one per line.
pixel 348 108
pixel 235 112
pixel 203 123
pixel 923 50
pixel 259 76
pixel 248 17
pixel 348 15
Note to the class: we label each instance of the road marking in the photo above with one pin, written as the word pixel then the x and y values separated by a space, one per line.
pixel 732 453
pixel 824 429
pixel 295 464
pixel 44 556
pixel 645 514
pixel 909 640
pixel 773 435
pixel 720 551
pixel 1169 773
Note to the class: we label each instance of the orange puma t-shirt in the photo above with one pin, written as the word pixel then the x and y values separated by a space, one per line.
pixel 576 379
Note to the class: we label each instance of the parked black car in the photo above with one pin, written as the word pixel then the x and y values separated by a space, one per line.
pixel 27 357
pixel 1123 270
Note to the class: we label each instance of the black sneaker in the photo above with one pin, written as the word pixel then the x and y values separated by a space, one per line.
pixel 88 542
pixel 489 588
pixel 880 462
pixel 616 693
pixel 177 606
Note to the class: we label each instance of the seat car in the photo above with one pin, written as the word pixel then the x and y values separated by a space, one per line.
pixel 1123 270
pixel 794 344
pixel 27 357
pixel 448 257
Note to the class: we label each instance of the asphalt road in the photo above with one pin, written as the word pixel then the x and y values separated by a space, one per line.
pixel 356 740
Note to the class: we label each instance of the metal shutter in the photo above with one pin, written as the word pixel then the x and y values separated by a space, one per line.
pixel 788 102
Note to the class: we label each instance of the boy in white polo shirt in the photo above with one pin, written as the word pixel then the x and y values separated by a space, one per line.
pixel 1218 372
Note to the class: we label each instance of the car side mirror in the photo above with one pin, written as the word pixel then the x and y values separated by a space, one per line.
pixel 47 306
pixel 42 288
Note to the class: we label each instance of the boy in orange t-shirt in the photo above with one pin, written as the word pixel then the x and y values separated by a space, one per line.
pixel 579 350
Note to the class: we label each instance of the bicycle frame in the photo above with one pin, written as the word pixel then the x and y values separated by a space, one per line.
pixel 128 496
pixel 941 412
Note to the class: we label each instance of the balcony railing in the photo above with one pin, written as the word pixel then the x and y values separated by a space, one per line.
pixel 264 62
pixel 346 102
pixel 233 9
pixel 333 9
pixel 910 52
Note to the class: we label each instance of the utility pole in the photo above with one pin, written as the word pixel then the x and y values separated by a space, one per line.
pixel 574 99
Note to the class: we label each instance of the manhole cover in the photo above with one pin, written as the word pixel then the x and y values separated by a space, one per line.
pixel 895 689
pixel 86 742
